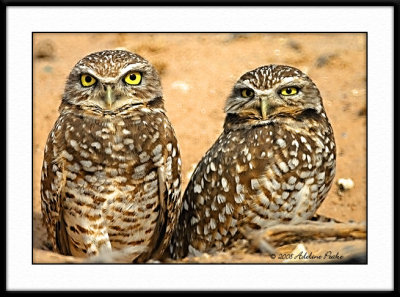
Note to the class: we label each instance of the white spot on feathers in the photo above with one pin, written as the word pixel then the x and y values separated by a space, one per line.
pixel 197 188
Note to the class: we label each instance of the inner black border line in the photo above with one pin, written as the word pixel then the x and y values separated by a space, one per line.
pixel 208 32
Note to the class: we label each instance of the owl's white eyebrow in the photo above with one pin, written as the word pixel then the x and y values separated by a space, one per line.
pixel 136 66
pixel 292 83
pixel 288 80
pixel 245 83
pixel 97 76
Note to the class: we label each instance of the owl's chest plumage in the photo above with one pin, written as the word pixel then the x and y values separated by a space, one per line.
pixel 256 177
pixel 112 181
pixel 283 173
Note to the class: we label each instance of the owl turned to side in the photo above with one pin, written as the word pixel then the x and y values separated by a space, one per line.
pixel 273 163
pixel 111 170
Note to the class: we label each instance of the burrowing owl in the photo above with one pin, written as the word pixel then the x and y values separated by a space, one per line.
pixel 273 163
pixel 111 170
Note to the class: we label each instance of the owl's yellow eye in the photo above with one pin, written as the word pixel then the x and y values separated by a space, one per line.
pixel 133 78
pixel 87 80
pixel 247 93
pixel 289 91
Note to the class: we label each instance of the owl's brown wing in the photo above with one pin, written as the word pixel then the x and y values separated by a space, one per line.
pixel 52 184
pixel 184 234
pixel 169 190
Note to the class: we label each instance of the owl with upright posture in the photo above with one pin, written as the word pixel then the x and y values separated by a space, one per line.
pixel 111 170
pixel 273 163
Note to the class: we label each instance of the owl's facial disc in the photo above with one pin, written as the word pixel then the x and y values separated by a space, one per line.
pixel 272 101
pixel 248 101
pixel 112 80
pixel 271 92
pixel 252 101
pixel 111 93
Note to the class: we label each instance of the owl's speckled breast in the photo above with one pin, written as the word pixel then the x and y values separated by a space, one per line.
pixel 256 177
pixel 288 173
pixel 111 176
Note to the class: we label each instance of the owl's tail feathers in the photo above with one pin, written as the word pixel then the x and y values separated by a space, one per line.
pixel 125 255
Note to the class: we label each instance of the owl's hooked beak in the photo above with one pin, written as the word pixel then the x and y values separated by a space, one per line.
pixel 109 98
pixel 264 107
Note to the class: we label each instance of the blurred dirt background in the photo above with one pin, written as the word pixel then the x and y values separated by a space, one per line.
pixel 197 73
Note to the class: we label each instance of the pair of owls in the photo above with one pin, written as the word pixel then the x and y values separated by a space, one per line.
pixel 111 175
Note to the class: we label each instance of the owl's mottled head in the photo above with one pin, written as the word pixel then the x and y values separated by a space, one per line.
pixel 112 80
pixel 271 90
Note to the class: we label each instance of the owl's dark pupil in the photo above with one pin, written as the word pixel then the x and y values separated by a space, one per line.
pixel 132 77
pixel 289 90
pixel 247 92
pixel 88 79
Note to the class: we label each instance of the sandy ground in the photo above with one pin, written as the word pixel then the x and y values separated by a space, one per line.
pixel 198 72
